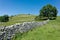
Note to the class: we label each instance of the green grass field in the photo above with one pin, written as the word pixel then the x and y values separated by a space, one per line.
pixel 50 31
pixel 18 19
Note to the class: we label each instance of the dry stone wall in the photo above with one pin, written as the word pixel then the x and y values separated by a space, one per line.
pixel 7 32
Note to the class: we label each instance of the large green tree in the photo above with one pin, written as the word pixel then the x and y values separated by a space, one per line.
pixel 48 12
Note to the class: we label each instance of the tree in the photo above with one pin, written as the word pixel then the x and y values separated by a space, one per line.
pixel 0 18
pixel 4 18
pixel 48 12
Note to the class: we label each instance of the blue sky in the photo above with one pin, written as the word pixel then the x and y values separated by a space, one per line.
pixel 13 7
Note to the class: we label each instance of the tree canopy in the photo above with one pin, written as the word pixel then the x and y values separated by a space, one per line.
pixel 48 12
pixel 4 18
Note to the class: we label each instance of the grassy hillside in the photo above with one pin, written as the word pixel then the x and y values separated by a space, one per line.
pixel 18 19
pixel 50 31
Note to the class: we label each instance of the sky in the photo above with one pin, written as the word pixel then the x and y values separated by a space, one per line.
pixel 14 7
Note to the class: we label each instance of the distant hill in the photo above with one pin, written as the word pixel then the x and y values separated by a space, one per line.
pixel 18 19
